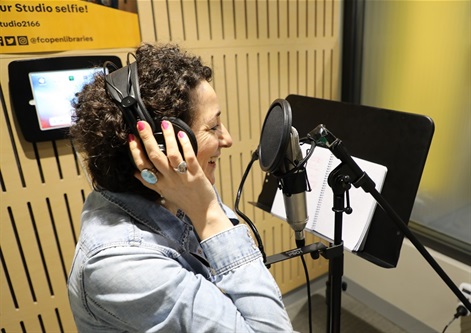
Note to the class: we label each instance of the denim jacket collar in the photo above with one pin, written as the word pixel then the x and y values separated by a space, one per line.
pixel 152 215
pixel 147 212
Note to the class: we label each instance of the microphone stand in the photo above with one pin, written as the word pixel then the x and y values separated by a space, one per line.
pixel 340 185
pixel 339 179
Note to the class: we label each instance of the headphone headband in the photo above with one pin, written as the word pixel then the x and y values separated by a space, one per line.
pixel 122 86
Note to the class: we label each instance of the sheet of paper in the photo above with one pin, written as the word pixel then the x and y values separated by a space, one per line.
pixel 320 199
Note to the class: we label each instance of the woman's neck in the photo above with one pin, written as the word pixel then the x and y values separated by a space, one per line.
pixel 172 208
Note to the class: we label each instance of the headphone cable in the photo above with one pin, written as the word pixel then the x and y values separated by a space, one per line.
pixel 242 215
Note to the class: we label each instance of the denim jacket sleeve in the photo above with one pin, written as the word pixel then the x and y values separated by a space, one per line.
pixel 147 290
pixel 239 272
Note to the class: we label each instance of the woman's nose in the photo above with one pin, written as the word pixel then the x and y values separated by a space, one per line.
pixel 225 137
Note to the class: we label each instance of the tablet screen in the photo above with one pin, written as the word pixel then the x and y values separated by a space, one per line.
pixel 53 92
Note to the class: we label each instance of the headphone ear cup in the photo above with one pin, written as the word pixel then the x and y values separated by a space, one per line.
pixel 180 125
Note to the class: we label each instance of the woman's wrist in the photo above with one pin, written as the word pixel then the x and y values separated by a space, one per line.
pixel 211 222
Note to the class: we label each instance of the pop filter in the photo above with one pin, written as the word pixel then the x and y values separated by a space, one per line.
pixel 275 136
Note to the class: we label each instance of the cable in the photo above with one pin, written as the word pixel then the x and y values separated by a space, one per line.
pixel 461 311
pixel 106 64
pixel 300 164
pixel 129 71
pixel 308 287
pixel 242 215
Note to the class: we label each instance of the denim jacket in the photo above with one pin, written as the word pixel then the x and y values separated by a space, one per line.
pixel 138 268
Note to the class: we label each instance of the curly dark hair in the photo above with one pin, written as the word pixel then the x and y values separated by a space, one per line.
pixel 167 76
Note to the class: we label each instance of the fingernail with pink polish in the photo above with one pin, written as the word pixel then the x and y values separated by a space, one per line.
pixel 140 125
pixel 164 124
pixel 131 137
pixel 181 134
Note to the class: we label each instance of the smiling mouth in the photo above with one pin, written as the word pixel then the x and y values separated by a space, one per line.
pixel 213 160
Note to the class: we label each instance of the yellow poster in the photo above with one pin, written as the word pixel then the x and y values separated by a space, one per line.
pixel 44 26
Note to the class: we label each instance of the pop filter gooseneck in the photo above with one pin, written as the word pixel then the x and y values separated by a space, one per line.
pixel 275 136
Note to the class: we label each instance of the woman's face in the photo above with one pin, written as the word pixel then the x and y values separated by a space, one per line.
pixel 209 130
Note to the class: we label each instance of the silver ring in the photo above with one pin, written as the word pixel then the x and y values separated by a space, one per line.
pixel 181 168
pixel 149 176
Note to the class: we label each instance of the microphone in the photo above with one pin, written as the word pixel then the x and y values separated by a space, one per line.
pixel 280 154
pixel 294 187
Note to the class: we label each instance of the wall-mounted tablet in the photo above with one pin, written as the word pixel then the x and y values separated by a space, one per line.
pixel 41 92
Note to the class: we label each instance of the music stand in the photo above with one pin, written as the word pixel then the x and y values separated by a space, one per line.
pixel 398 140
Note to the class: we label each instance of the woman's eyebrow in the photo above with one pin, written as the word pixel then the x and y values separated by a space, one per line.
pixel 216 115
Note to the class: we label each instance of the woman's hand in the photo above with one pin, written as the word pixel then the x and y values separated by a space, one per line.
pixel 189 191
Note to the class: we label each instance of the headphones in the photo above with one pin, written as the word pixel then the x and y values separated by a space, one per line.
pixel 122 85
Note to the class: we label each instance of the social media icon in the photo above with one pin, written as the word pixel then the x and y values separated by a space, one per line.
pixel 22 40
pixel 10 40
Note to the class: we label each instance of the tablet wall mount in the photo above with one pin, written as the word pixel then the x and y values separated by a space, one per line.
pixel 41 91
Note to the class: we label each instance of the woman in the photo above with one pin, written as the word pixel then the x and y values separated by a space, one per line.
pixel 162 253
